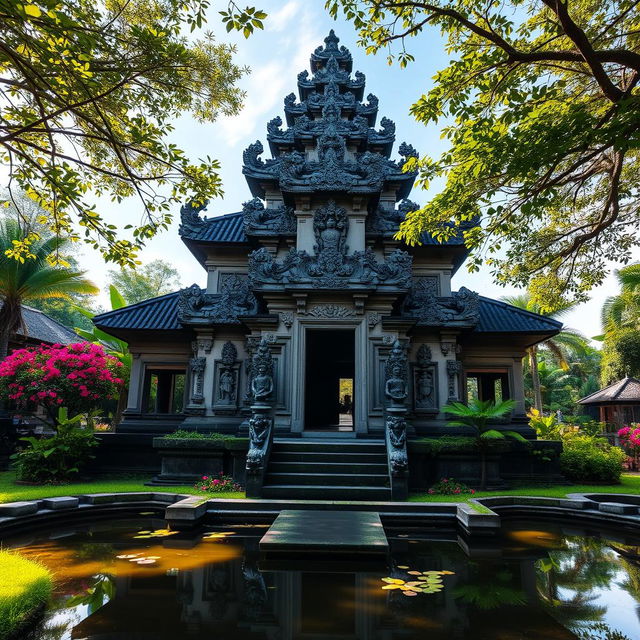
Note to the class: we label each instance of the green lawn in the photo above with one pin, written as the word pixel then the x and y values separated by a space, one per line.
pixel 628 484
pixel 11 492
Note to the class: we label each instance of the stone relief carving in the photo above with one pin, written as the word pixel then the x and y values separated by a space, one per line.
pixel 384 219
pixel 462 308
pixel 286 317
pixel 262 373
pixel 373 319
pixel 190 221
pixel 227 390
pixel 259 433
pixel 330 268
pixel 331 311
pixel 197 366
pixel 395 386
pixel 236 298
pixel 454 369
pixel 396 436
pixel 262 220
pixel 424 380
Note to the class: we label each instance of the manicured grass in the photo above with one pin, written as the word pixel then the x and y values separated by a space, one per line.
pixel 25 586
pixel 628 484
pixel 11 492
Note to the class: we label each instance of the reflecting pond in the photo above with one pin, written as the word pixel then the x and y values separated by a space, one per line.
pixel 134 579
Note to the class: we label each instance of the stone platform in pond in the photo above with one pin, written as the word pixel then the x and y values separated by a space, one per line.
pixel 297 531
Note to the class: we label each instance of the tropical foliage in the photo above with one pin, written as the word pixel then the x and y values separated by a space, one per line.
pixel 621 326
pixel 481 416
pixel 562 349
pixel 33 277
pixel 146 281
pixel 91 92
pixel 539 102
pixel 61 457
pixel 587 458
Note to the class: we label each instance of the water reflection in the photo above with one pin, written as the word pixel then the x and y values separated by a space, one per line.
pixel 535 582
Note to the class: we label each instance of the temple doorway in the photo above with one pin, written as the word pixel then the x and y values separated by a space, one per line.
pixel 330 376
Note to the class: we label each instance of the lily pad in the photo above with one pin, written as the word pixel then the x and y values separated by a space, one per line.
pixel 410 593
pixel 392 586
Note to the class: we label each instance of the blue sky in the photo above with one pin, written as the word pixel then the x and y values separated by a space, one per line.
pixel 276 55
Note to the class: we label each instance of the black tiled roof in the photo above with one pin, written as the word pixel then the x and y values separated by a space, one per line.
pixel 626 390
pixel 229 228
pixel 40 327
pixel 161 314
pixel 158 314
pixel 497 317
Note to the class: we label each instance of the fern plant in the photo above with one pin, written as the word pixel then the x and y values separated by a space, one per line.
pixel 479 416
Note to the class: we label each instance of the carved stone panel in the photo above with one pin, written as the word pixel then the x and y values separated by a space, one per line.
pixel 226 379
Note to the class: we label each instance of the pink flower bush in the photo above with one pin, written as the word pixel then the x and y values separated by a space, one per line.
pixel 218 484
pixel 78 376
pixel 630 436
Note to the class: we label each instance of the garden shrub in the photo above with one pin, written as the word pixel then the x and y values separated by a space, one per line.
pixel 25 586
pixel 77 376
pixel 182 434
pixel 59 458
pixel 217 484
pixel 590 459
pixel 449 487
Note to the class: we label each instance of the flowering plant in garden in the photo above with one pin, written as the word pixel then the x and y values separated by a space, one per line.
pixel 76 376
pixel 217 484
pixel 450 487
pixel 630 436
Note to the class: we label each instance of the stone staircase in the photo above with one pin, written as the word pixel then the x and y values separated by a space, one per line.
pixel 327 470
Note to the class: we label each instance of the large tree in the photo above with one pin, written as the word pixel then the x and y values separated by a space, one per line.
pixel 148 281
pixel 540 106
pixel 562 347
pixel 90 91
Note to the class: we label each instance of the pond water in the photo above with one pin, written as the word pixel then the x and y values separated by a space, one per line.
pixel 136 580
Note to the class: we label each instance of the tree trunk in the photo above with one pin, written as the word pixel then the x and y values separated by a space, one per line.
pixel 483 470
pixel 123 396
pixel 535 378
pixel 7 430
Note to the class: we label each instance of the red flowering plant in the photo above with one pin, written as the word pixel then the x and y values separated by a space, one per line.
pixel 449 487
pixel 77 376
pixel 629 437
pixel 217 484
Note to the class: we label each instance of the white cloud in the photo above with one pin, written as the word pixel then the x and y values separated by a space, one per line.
pixel 279 20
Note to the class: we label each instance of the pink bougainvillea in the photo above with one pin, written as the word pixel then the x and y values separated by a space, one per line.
pixel 78 376
pixel 630 435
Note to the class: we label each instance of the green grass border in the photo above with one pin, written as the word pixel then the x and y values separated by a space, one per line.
pixel 25 586
pixel 628 484
pixel 11 492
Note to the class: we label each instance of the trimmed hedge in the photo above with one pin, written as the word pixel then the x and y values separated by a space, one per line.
pixel 588 459
pixel 25 586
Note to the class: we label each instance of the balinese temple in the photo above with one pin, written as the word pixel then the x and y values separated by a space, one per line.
pixel 357 331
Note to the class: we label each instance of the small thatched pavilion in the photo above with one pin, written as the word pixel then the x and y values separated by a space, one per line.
pixel 619 403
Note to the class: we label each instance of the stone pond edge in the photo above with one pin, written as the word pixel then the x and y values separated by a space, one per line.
pixel 481 516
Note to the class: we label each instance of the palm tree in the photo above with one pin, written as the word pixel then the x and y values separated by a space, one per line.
pixel 32 278
pixel 477 414
pixel 623 311
pixel 562 346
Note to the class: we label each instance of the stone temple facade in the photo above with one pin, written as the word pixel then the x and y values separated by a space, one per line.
pixel 356 327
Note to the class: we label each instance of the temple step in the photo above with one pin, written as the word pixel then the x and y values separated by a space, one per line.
pixel 305 492
pixel 327 470
pixel 336 457
pixel 323 479
pixel 331 446
pixel 328 467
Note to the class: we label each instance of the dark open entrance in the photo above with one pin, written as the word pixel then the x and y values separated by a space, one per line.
pixel 330 371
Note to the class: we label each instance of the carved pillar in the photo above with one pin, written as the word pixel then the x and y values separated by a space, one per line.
pixel 425 381
pixel 198 366
pixel 396 391
pixel 261 421
pixel 454 369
